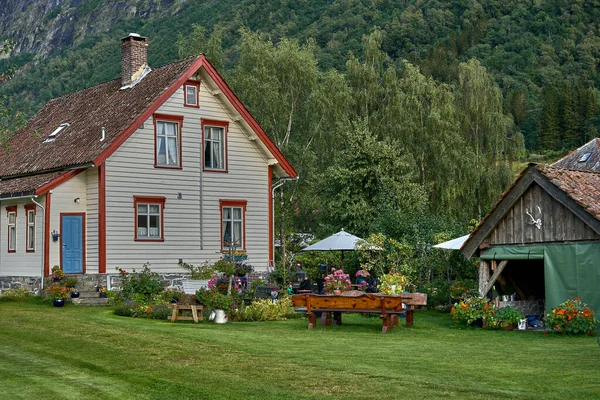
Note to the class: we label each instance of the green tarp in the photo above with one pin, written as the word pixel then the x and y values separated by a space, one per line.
pixel 570 269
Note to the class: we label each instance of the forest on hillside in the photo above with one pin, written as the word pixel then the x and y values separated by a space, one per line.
pixel 406 118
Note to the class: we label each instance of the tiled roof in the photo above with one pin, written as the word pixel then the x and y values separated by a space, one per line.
pixel 87 112
pixel 581 186
pixel 27 185
pixel 573 159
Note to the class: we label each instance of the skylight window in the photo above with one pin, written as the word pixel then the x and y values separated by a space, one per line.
pixel 585 157
pixel 56 132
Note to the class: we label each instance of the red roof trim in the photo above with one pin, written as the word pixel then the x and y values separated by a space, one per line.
pixel 149 111
pixel 55 182
pixel 212 72
pixel 201 62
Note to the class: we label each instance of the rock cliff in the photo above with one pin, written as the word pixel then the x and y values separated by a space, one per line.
pixel 43 26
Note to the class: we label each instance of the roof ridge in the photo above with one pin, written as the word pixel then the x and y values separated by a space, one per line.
pixel 566 169
pixel 118 78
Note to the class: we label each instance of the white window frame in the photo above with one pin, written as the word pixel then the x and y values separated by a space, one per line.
pixel 209 147
pixel 12 227
pixel 148 202
pixel 30 230
pixel 232 206
pixel 187 95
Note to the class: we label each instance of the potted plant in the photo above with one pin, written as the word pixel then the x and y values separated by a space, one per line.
pixel 507 318
pixel 337 281
pixel 57 273
pixel 102 292
pixel 59 294
pixel 572 317
pixel 71 281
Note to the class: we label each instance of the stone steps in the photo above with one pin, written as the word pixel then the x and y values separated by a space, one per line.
pixel 89 297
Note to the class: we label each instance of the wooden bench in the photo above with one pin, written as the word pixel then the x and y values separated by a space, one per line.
pixel 178 310
pixel 188 302
pixel 331 307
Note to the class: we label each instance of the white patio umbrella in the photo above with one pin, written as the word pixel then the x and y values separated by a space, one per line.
pixel 454 244
pixel 341 241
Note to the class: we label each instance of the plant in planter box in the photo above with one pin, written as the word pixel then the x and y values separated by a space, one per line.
pixel 473 309
pixel 506 318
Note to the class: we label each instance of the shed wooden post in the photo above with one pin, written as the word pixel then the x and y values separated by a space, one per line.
pixel 484 277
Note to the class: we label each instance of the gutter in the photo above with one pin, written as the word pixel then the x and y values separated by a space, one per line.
pixel 44 244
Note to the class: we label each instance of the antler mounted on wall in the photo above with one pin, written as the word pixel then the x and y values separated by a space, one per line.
pixel 536 222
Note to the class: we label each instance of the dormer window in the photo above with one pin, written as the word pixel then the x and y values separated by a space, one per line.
pixel 190 94
pixel 56 132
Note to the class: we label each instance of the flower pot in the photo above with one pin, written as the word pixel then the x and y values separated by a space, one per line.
pixel 508 327
pixel 337 291
pixel 103 295
pixel 58 302
pixel 74 295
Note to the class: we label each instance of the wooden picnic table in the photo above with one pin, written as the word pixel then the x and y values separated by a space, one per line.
pixel 331 307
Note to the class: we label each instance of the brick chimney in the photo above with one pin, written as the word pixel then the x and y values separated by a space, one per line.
pixel 134 57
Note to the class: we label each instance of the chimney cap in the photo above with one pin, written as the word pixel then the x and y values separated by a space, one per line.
pixel 134 36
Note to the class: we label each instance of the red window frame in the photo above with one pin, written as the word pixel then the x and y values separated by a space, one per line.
pixel 219 124
pixel 28 208
pixel 237 204
pixel 149 200
pixel 178 119
pixel 11 209
pixel 195 84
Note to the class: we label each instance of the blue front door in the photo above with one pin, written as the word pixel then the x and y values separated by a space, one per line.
pixel 72 243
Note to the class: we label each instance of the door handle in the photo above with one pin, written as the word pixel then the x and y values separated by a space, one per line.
pixel 64 246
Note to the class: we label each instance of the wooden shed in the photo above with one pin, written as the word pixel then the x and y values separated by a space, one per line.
pixel 541 240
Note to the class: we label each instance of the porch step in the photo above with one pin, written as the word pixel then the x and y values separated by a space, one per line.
pixel 89 298
pixel 90 301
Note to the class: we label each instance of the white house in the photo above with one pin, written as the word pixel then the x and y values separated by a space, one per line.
pixel 162 165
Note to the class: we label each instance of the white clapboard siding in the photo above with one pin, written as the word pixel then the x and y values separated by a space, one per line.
pixel 130 172
pixel 91 219
pixel 21 263
pixel 62 201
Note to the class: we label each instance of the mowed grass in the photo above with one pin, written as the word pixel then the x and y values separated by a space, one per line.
pixel 89 353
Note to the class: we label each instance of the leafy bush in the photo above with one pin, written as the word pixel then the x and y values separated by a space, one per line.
pixel 572 317
pixel 213 299
pixel 471 309
pixel 462 288
pixel 159 311
pixel 17 294
pixel 141 286
pixel 265 310
pixel 504 317
pixel 126 309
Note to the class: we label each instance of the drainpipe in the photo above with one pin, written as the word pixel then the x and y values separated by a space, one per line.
pixel 44 244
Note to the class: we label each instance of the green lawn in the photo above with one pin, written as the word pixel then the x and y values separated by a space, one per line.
pixel 89 353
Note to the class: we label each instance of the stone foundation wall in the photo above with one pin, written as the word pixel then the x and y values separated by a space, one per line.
pixel 91 281
pixel 29 283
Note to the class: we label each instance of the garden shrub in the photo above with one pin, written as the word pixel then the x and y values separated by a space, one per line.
pixel 471 309
pixel 572 317
pixel 159 311
pixel 17 294
pixel 265 310
pixel 126 309
pixel 141 286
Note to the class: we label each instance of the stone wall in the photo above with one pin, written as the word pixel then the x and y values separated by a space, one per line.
pixel 30 283
pixel 527 307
